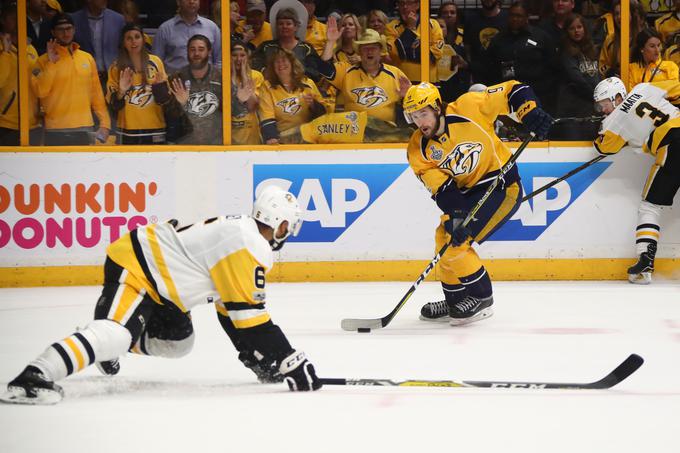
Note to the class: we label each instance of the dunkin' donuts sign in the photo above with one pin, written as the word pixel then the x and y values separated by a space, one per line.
pixel 72 214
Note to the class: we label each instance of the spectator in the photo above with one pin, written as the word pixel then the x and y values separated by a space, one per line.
pixel 370 85
pixel 646 63
pixel 289 99
pixel 610 54
pixel 130 93
pixel 247 83
pixel 38 28
pixel 256 11
pixel 554 25
pixel 377 20
pixel 316 31
pixel 669 24
pixel 403 35
pixel 52 7
pixel 198 92
pixel 234 19
pixel 290 19
pixel 350 30
pixel 480 27
pixel 130 12
pixel 580 77
pixel 673 52
pixel 98 33
pixel 452 69
pixel 216 12
pixel 170 42
pixel 527 54
pixel 602 28
pixel 67 83
pixel 9 82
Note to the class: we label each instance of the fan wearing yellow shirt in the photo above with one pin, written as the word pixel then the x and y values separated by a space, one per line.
pixel 647 65
pixel 288 100
pixel 244 124
pixel 669 24
pixel 316 31
pixel 369 86
pixel 255 22
pixel 456 154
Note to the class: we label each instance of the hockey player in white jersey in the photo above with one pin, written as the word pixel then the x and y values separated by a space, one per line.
pixel 155 275
pixel 645 118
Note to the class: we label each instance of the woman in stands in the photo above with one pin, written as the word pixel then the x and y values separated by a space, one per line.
pixel 288 100
pixel 136 89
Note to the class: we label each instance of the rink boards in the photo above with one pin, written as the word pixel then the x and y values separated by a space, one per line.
pixel 366 215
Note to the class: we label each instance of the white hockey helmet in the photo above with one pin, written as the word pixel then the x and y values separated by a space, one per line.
pixel 274 206
pixel 608 89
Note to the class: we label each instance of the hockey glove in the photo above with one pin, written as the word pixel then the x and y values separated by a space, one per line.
pixel 299 373
pixel 538 121
pixel 459 233
pixel 265 370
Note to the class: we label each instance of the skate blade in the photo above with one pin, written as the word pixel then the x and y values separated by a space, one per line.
pixel 441 319
pixel 485 313
pixel 17 395
pixel 643 278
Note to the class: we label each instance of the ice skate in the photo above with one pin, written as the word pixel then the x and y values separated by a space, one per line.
pixel 640 273
pixel 435 311
pixel 109 367
pixel 469 310
pixel 31 387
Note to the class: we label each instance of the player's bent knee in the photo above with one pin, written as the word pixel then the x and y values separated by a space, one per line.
pixel 109 339
pixel 171 349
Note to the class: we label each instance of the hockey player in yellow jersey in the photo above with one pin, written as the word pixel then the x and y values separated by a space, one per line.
pixel 456 154
pixel 155 275
pixel 647 119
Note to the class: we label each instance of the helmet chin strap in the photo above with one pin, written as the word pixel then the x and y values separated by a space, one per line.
pixel 277 245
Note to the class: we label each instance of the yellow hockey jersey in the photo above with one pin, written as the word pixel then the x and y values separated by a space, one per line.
pixel 9 88
pixel 642 120
pixel 658 71
pixel 140 115
pixel 316 35
pixel 245 129
pixel 287 109
pixel 265 33
pixel 468 152
pixel 378 95
pixel 404 52
pixel 221 260
pixel 673 54
pixel 667 25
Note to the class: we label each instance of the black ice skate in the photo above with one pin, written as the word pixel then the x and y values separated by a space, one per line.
pixel 640 273
pixel 31 387
pixel 435 311
pixel 470 310
pixel 109 367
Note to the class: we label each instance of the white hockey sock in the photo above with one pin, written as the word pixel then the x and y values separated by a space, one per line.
pixel 100 340
pixel 648 229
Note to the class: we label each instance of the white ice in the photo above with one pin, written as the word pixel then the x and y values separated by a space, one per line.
pixel 208 402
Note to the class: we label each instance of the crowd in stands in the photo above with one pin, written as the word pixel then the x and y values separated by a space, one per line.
pixel 324 71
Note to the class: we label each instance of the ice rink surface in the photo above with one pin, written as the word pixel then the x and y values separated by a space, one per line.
pixel 208 402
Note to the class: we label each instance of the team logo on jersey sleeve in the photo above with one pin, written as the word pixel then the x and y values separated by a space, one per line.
pixel 290 105
pixel 370 96
pixel 463 159
pixel 203 103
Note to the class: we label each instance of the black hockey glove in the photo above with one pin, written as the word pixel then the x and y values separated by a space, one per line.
pixel 266 371
pixel 299 373
pixel 459 233
pixel 538 121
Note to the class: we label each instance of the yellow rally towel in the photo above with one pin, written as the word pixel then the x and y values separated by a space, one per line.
pixel 342 127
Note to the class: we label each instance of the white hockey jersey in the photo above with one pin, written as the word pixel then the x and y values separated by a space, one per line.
pixel 221 260
pixel 633 122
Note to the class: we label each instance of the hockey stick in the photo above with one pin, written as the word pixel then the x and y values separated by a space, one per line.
pixel 578 119
pixel 621 372
pixel 559 180
pixel 378 323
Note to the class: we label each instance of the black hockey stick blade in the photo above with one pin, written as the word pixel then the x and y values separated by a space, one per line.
pixel 620 373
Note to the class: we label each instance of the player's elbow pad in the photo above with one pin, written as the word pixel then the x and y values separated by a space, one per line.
pixel 449 198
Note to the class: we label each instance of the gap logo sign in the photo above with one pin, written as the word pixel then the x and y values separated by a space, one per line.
pixel 534 216
pixel 332 197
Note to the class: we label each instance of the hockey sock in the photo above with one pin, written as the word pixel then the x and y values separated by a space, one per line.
pixel 100 340
pixel 453 293
pixel 478 284
pixel 647 231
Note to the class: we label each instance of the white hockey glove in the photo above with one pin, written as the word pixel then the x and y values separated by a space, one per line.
pixel 299 373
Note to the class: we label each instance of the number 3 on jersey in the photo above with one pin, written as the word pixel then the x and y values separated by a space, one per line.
pixel 656 115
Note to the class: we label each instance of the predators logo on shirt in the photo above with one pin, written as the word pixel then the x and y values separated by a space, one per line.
pixel 370 96
pixel 290 105
pixel 203 103
pixel 140 96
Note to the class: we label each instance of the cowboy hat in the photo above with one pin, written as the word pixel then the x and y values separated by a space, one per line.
pixel 370 36
pixel 298 9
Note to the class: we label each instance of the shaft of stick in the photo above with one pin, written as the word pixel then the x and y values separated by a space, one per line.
pixel 559 180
